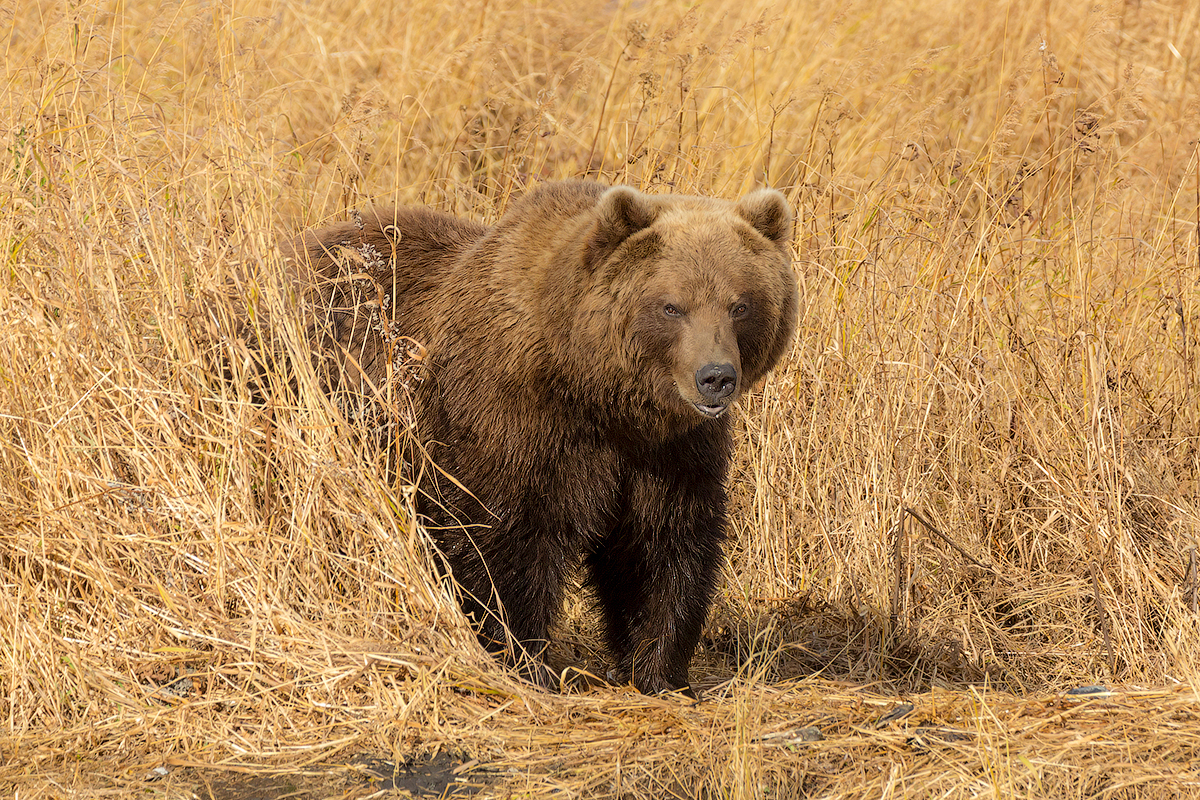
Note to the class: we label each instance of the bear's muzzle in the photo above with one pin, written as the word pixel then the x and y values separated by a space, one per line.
pixel 717 384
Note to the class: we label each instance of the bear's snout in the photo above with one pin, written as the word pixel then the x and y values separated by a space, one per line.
pixel 716 384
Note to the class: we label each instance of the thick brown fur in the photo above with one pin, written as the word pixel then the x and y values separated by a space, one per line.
pixel 580 358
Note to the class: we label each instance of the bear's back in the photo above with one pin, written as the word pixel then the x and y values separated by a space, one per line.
pixel 375 277
pixel 405 251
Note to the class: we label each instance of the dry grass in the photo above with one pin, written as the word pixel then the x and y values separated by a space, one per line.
pixel 974 485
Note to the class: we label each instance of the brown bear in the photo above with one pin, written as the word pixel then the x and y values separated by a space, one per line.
pixel 579 362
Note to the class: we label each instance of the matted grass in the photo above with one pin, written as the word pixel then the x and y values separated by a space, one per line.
pixel 972 486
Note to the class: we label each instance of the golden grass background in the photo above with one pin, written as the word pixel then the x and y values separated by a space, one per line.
pixel 972 486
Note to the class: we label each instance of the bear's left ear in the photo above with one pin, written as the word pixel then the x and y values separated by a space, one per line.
pixel 768 211
pixel 620 213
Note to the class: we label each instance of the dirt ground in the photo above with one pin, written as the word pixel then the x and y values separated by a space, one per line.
pixel 442 774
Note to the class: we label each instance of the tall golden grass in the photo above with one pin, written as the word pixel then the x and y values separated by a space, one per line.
pixel 973 484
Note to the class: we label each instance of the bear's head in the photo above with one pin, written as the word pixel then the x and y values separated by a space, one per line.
pixel 698 292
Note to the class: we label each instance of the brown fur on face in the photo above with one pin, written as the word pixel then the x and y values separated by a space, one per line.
pixel 581 357
pixel 692 322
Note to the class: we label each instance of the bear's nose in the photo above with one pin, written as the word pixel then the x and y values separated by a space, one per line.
pixel 716 381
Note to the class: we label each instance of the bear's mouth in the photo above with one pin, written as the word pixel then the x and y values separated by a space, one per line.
pixel 711 411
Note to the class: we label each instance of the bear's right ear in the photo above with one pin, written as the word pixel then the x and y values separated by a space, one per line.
pixel 620 213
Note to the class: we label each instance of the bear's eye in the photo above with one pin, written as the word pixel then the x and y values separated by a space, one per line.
pixel 671 311
pixel 740 310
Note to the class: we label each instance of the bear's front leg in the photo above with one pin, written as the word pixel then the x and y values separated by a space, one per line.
pixel 655 576
pixel 511 581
